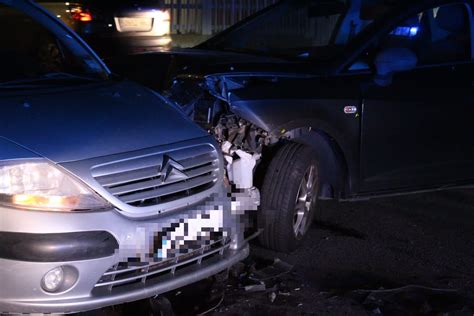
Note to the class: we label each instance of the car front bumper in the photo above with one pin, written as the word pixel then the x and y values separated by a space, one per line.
pixel 133 292
pixel 22 270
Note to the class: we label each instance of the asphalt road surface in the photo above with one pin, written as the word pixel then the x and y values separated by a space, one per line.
pixel 409 255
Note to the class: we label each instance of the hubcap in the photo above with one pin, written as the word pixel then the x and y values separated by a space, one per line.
pixel 304 202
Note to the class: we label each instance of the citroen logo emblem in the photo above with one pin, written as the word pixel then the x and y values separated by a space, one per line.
pixel 171 170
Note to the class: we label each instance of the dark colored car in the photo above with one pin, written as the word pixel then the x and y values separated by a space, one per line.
pixel 115 26
pixel 333 99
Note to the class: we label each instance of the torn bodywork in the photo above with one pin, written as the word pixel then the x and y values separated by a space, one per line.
pixel 205 101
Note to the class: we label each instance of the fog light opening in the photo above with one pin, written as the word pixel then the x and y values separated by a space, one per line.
pixel 59 279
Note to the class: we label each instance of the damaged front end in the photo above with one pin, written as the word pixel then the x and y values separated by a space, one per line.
pixel 205 101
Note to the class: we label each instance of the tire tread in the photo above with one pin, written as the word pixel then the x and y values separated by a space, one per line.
pixel 276 195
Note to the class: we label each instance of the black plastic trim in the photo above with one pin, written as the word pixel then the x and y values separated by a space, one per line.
pixel 62 247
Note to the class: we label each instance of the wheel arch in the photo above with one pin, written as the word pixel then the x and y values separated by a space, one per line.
pixel 335 138
pixel 333 166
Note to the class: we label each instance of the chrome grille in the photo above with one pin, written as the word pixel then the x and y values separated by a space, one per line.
pixel 126 273
pixel 156 178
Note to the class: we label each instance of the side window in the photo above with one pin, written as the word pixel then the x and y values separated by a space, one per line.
pixel 30 50
pixel 436 36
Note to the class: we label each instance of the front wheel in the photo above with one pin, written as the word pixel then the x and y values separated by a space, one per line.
pixel 289 195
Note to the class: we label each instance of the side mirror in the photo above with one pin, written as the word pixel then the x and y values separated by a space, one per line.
pixel 393 60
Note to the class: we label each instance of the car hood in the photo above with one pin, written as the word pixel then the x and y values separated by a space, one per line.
pixel 157 70
pixel 204 62
pixel 81 123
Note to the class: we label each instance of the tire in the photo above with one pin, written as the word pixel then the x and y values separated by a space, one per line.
pixel 283 203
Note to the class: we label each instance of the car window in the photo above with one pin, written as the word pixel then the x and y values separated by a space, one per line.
pixel 437 36
pixel 298 28
pixel 30 51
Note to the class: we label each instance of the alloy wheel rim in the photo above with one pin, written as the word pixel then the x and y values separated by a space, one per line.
pixel 304 202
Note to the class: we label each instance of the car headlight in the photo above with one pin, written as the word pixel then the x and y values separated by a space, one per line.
pixel 39 185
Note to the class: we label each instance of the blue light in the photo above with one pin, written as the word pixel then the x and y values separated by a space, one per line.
pixel 414 31
pixel 406 31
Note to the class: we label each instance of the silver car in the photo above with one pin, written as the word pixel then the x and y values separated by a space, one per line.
pixel 108 194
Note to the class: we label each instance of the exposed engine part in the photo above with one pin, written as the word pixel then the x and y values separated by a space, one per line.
pixel 240 166
pixel 203 100
pixel 192 95
pixel 242 143
pixel 240 133
pixel 242 154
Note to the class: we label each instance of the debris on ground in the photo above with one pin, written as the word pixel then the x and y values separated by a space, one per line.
pixel 273 287
pixel 255 288
pixel 414 258
pixel 273 271
pixel 415 300
pixel 272 297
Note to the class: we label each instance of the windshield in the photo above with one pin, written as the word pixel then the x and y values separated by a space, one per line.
pixel 30 52
pixel 296 28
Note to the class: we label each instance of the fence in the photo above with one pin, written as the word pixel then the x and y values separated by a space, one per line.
pixel 207 17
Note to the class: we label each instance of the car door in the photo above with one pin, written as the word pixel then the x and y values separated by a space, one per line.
pixel 417 132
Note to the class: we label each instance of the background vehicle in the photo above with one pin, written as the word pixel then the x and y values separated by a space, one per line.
pixel 344 100
pixel 108 193
pixel 115 26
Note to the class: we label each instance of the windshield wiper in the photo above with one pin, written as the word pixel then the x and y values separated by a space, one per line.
pixel 49 79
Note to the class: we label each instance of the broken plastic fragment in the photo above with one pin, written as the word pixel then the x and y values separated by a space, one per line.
pixel 255 288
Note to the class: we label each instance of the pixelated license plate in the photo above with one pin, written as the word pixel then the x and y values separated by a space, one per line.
pixel 188 235
pixel 135 24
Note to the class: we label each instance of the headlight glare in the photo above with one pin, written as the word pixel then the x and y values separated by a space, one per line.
pixel 36 184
